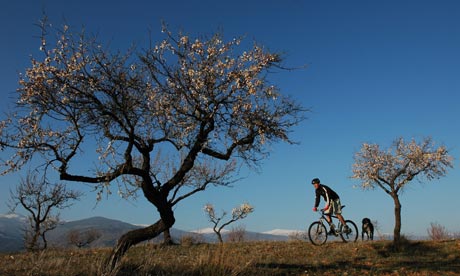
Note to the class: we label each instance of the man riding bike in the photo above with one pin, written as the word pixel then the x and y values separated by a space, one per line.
pixel 332 206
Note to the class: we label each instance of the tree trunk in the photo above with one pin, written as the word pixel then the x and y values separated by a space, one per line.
pixel 134 237
pixel 397 230
pixel 167 239
pixel 219 237
pixel 45 242
pixel 33 243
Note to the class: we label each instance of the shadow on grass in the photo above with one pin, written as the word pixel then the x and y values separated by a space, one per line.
pixel 449 267
pixel 407 258
pixel 132 270
pixel 418 256
pixel 333 268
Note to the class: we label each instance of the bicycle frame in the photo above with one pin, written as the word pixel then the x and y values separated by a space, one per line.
pixel 323 218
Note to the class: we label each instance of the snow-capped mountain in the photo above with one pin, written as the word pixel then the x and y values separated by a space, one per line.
pixel 282 232
pixel 209 236
pixel 12 216
pixel 208 231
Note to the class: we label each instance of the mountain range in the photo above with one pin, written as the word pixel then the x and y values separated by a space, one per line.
pixel 104 232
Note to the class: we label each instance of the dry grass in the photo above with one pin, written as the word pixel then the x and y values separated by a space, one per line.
pixel 250 258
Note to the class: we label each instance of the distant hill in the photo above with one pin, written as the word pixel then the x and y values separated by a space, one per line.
pixel 11 232
pixel 108 230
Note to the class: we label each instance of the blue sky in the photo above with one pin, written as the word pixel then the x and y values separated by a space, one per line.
pixel 377 70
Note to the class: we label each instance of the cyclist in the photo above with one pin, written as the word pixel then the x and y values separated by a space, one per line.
pixel 332 204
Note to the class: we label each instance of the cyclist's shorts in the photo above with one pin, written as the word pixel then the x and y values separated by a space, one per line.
pixel 334 207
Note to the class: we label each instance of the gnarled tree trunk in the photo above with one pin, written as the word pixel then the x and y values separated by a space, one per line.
pixel 134 237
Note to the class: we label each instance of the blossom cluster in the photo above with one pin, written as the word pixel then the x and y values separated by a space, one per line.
pixel 209 209
pixel 242 211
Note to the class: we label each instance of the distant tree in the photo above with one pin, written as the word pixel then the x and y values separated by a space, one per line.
pixel 83 238
pixel 392 169
pixel 238 213
pixel 40 199
pixel 169 120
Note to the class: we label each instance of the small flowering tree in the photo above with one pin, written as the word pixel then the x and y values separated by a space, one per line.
pixel 392 169
pixel 237 213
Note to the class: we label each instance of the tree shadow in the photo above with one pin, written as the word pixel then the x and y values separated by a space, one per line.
pixel 405 248
pixel 428 257
pixel 289 269
pixel 434 267
pixel 408 257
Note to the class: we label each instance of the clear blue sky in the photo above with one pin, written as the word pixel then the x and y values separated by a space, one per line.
pixel 376 70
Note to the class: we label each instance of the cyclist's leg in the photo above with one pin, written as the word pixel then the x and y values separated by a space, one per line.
pixel 337 206
pixel 327 213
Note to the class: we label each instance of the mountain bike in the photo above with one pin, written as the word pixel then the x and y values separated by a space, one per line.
pixel 317 232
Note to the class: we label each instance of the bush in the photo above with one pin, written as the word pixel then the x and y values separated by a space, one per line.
pixel 237 234
pixel 189 240
pixel 298 236
pixel 437 232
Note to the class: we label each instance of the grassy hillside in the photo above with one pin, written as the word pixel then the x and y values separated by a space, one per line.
pixel 250 258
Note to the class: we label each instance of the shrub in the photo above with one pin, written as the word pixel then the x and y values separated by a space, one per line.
pixel 437 232
pixel 188 240
pixel 298 236
pixel 237 234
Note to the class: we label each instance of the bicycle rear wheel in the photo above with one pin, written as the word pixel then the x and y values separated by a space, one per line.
pixel 317 233
pixel 352 234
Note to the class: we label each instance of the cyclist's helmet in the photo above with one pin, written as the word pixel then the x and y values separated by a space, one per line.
pixel 315 181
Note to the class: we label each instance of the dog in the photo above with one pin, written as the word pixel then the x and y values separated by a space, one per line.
pixel 368 229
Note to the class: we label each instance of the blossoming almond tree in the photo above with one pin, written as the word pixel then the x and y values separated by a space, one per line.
pixel 392 169
pixel 169 120
pixel 238 213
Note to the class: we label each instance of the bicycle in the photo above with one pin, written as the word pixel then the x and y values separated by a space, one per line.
pixel 317 232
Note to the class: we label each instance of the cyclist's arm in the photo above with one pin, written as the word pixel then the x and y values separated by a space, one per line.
pixel 317 198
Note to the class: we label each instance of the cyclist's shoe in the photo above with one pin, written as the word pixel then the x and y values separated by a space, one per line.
pixel 346 229
pixel 332 232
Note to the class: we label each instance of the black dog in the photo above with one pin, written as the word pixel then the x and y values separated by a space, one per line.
pixel 368 228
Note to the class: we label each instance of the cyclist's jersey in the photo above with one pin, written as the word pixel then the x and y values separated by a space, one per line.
pixel 327 193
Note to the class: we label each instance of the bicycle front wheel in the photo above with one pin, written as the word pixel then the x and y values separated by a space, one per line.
pixel 351 235
pixel 317 233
